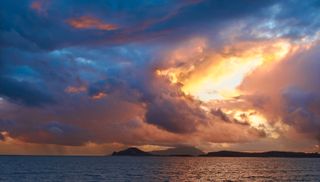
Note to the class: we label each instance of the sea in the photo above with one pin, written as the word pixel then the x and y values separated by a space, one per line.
pixel 149 169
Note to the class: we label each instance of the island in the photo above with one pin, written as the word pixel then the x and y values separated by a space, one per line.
pixel 194 152
pixel 262 154
pixel 132 151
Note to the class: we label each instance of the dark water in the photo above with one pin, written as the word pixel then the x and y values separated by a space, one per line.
pixel 157 169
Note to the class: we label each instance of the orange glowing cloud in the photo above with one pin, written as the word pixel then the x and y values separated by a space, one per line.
pixel 36 5
pixel 40 6
pixel 98 96
pixel 216 75
pixel 74 90
pixel 89 22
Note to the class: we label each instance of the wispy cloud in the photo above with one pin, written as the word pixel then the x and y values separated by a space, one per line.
pixel 89 22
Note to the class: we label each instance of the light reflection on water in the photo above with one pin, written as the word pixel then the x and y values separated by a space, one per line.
pixel 157 169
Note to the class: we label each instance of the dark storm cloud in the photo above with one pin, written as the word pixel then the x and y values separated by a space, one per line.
pixel 27 78
pixel 167 107
pixel 106 86
pixel 22 91
pixel 23 27
pixel 304 118
pixel 303 111
pixel 171 110
pixel 303 98
pixel 21 79
pixel 36 78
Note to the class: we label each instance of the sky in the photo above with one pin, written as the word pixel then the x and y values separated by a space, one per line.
pixel 81 77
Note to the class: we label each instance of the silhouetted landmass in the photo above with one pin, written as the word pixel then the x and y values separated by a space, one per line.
pixel 192 152
pixel 182 151
pixel 262 154
pixel 132 151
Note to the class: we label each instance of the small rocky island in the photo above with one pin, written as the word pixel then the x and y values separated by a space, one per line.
pixel 132 151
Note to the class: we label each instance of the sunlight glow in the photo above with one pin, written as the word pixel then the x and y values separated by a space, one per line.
pixel 256 120
pixel 218 75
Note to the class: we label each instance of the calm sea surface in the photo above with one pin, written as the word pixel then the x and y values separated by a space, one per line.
pixel 157 169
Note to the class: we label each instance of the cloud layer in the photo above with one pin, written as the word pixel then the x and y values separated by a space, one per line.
pixel 86 78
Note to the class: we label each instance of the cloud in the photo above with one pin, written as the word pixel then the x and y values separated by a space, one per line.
pixel 294 97
pixel 1 137
pixel 132 21
pixel 36 5
pixel 40 6
pixel 52 132
pixel 78 76
pixel 220 114
pixel 88 22
pixel 24 92
pixel 172 110
pixel 73 90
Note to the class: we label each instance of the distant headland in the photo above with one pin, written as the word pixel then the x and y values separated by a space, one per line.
pixel 194 152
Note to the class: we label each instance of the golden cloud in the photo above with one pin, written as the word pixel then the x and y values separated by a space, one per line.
pixel 216 75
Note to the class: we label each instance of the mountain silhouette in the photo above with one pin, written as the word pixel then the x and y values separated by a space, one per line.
pixel 179 151
pixel 132 151
pixel 192 151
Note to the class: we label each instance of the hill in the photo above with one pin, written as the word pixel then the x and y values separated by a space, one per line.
pixel 262 154
pixel 179 151
pixel 132 151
